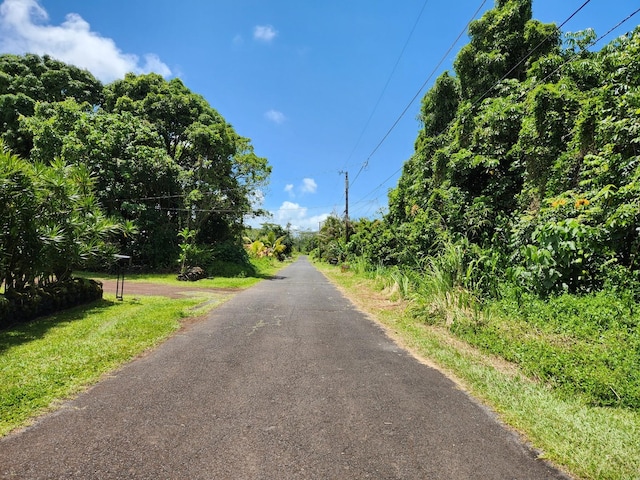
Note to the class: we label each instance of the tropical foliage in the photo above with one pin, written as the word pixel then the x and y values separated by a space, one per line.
pixel 523 196
pixel 528 157
pixel 271 241
pixel 50 225
pixel 142 167
pixel 163 159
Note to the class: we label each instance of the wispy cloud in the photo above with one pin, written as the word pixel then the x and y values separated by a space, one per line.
pixel 275 116
pixel 309 185
pixel 264 33
pixel 238 40
pixel 24 27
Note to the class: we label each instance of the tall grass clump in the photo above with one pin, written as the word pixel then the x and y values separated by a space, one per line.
pixel 441 294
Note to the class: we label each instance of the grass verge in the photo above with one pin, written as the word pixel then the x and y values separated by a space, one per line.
pixel 58 356
pixel 264 268
pixel 588 442
pixel 52 358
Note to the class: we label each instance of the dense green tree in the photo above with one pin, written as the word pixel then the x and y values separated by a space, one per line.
pixel 51 222
pixel 504 42
pixel 26 80
pixel 527 160
pixel 163 158
pixel 136 180
pixel 220 171
pixel 19 240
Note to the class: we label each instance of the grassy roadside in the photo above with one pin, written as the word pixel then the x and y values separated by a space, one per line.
pixel 44 361
pixel 50 359
pixel 264 269
pixel 588 442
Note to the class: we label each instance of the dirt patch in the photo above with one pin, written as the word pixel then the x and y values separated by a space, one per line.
pixel 160 290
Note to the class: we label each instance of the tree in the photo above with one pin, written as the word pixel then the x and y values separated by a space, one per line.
pixel 136 180
pixel 527 160
pixel 270 240
pixel 26 80
pixel 220 172
pixel 504 42
pixel 51 222
pixel 163 159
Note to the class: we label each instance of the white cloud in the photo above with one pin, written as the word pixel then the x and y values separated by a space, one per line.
pixel 275 116
pixel 290 213
pixel 264 33
pixel 24 28
pixel 152 63
pixel 298 216
pixel 309 185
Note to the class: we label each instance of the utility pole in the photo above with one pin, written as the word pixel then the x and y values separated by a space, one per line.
pixel 346 206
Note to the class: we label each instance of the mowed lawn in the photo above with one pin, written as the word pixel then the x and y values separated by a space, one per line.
pixel 52 358
pixel 55 357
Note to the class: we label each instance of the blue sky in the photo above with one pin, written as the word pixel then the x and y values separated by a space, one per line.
pixel 316 85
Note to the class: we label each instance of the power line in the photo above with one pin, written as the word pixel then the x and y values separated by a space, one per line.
pixel 384 89
pixel 558 29
pixel 594 42
pixel 591 44
pixel 444 57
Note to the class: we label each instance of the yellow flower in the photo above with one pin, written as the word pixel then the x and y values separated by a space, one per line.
pixel 582 202
pixel 558 203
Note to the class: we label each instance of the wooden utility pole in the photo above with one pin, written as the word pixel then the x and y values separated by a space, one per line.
pixel 346 205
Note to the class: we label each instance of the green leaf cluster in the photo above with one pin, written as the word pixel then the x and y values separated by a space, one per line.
pixel 50 225
pixel 163 159
pixel 270 241
pixel 528 155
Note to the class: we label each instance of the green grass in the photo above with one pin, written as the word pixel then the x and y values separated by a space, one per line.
pixel 263 268
pixel 590 442
pixel 55 357
pixel 586 346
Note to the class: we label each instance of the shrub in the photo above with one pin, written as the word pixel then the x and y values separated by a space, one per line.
pixel 21 306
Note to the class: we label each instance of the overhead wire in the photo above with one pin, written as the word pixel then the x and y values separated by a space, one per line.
pixel 558 29
pixel 594 42
pixel 386 85
pixel 424 84
pixel 444 57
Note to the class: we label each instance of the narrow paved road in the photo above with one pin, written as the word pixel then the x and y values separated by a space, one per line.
pixel 287 380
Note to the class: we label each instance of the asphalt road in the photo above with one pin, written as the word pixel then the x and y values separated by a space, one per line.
pixel 287 380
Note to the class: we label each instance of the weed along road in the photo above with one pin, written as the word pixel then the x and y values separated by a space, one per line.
pixel 287 380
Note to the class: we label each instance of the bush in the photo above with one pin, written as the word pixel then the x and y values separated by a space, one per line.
pixel 22 306
pixel 230 259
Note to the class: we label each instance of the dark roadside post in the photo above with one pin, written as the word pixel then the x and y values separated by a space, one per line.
pixel 121 264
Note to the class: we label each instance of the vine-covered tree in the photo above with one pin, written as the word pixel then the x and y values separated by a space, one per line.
pixel 527 158
pixel 503 43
